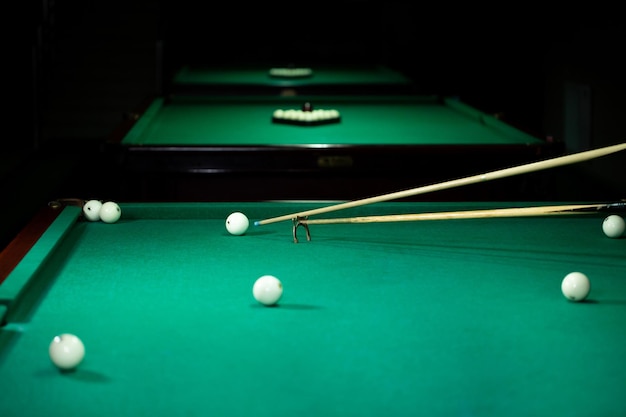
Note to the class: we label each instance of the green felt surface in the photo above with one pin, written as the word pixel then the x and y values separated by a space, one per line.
pixel 253 75
pixel 364 121
pixel 453 318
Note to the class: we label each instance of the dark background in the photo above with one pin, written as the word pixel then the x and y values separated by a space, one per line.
pixel 77 69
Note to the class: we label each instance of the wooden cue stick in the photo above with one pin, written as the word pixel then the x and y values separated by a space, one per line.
pixel 507 172
pixel 473 214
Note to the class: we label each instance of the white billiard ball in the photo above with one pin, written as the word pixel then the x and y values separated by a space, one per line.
pixel 91 210
pixel 237 223
pixel 613 226
pixel 110 212
pixel 267 290
pixel 66 351
pixel 575 286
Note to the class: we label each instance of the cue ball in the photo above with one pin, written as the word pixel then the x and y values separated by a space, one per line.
pixel 267 290
pixel 575 286
pixel 66 351
pixel 91 210
pixel 237 223
pixel 613 226
pixel 110 212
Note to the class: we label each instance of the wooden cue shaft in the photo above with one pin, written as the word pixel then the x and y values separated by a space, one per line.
pixel 464 214
pixel 507 172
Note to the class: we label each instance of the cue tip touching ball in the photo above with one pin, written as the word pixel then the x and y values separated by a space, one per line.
pixel 614 226
pixel 91 210
pixel 66 351
pixel 267 290
pixel 576 286
pixel 237 223
pixel 110 212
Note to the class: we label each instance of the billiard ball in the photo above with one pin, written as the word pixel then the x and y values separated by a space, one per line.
pixel 110 212
pixel 66 351
pixel 91 210
pixel 613 226
pixel 267 290
pixel 237 223
pixel 307 107
pixel 575 286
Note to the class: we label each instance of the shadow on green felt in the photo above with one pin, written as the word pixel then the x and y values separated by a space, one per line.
pixel 287 306
pixel 79 374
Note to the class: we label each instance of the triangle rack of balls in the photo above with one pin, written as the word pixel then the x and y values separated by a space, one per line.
pixel 306 116
pixel 289 72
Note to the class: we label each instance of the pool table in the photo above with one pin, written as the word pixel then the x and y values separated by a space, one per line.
pixel 275 80
pixel 228 148
pixel 440 318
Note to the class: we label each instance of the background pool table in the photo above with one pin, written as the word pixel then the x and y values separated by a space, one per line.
pixel 454 318
pixel 256 79
pixel 224 147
